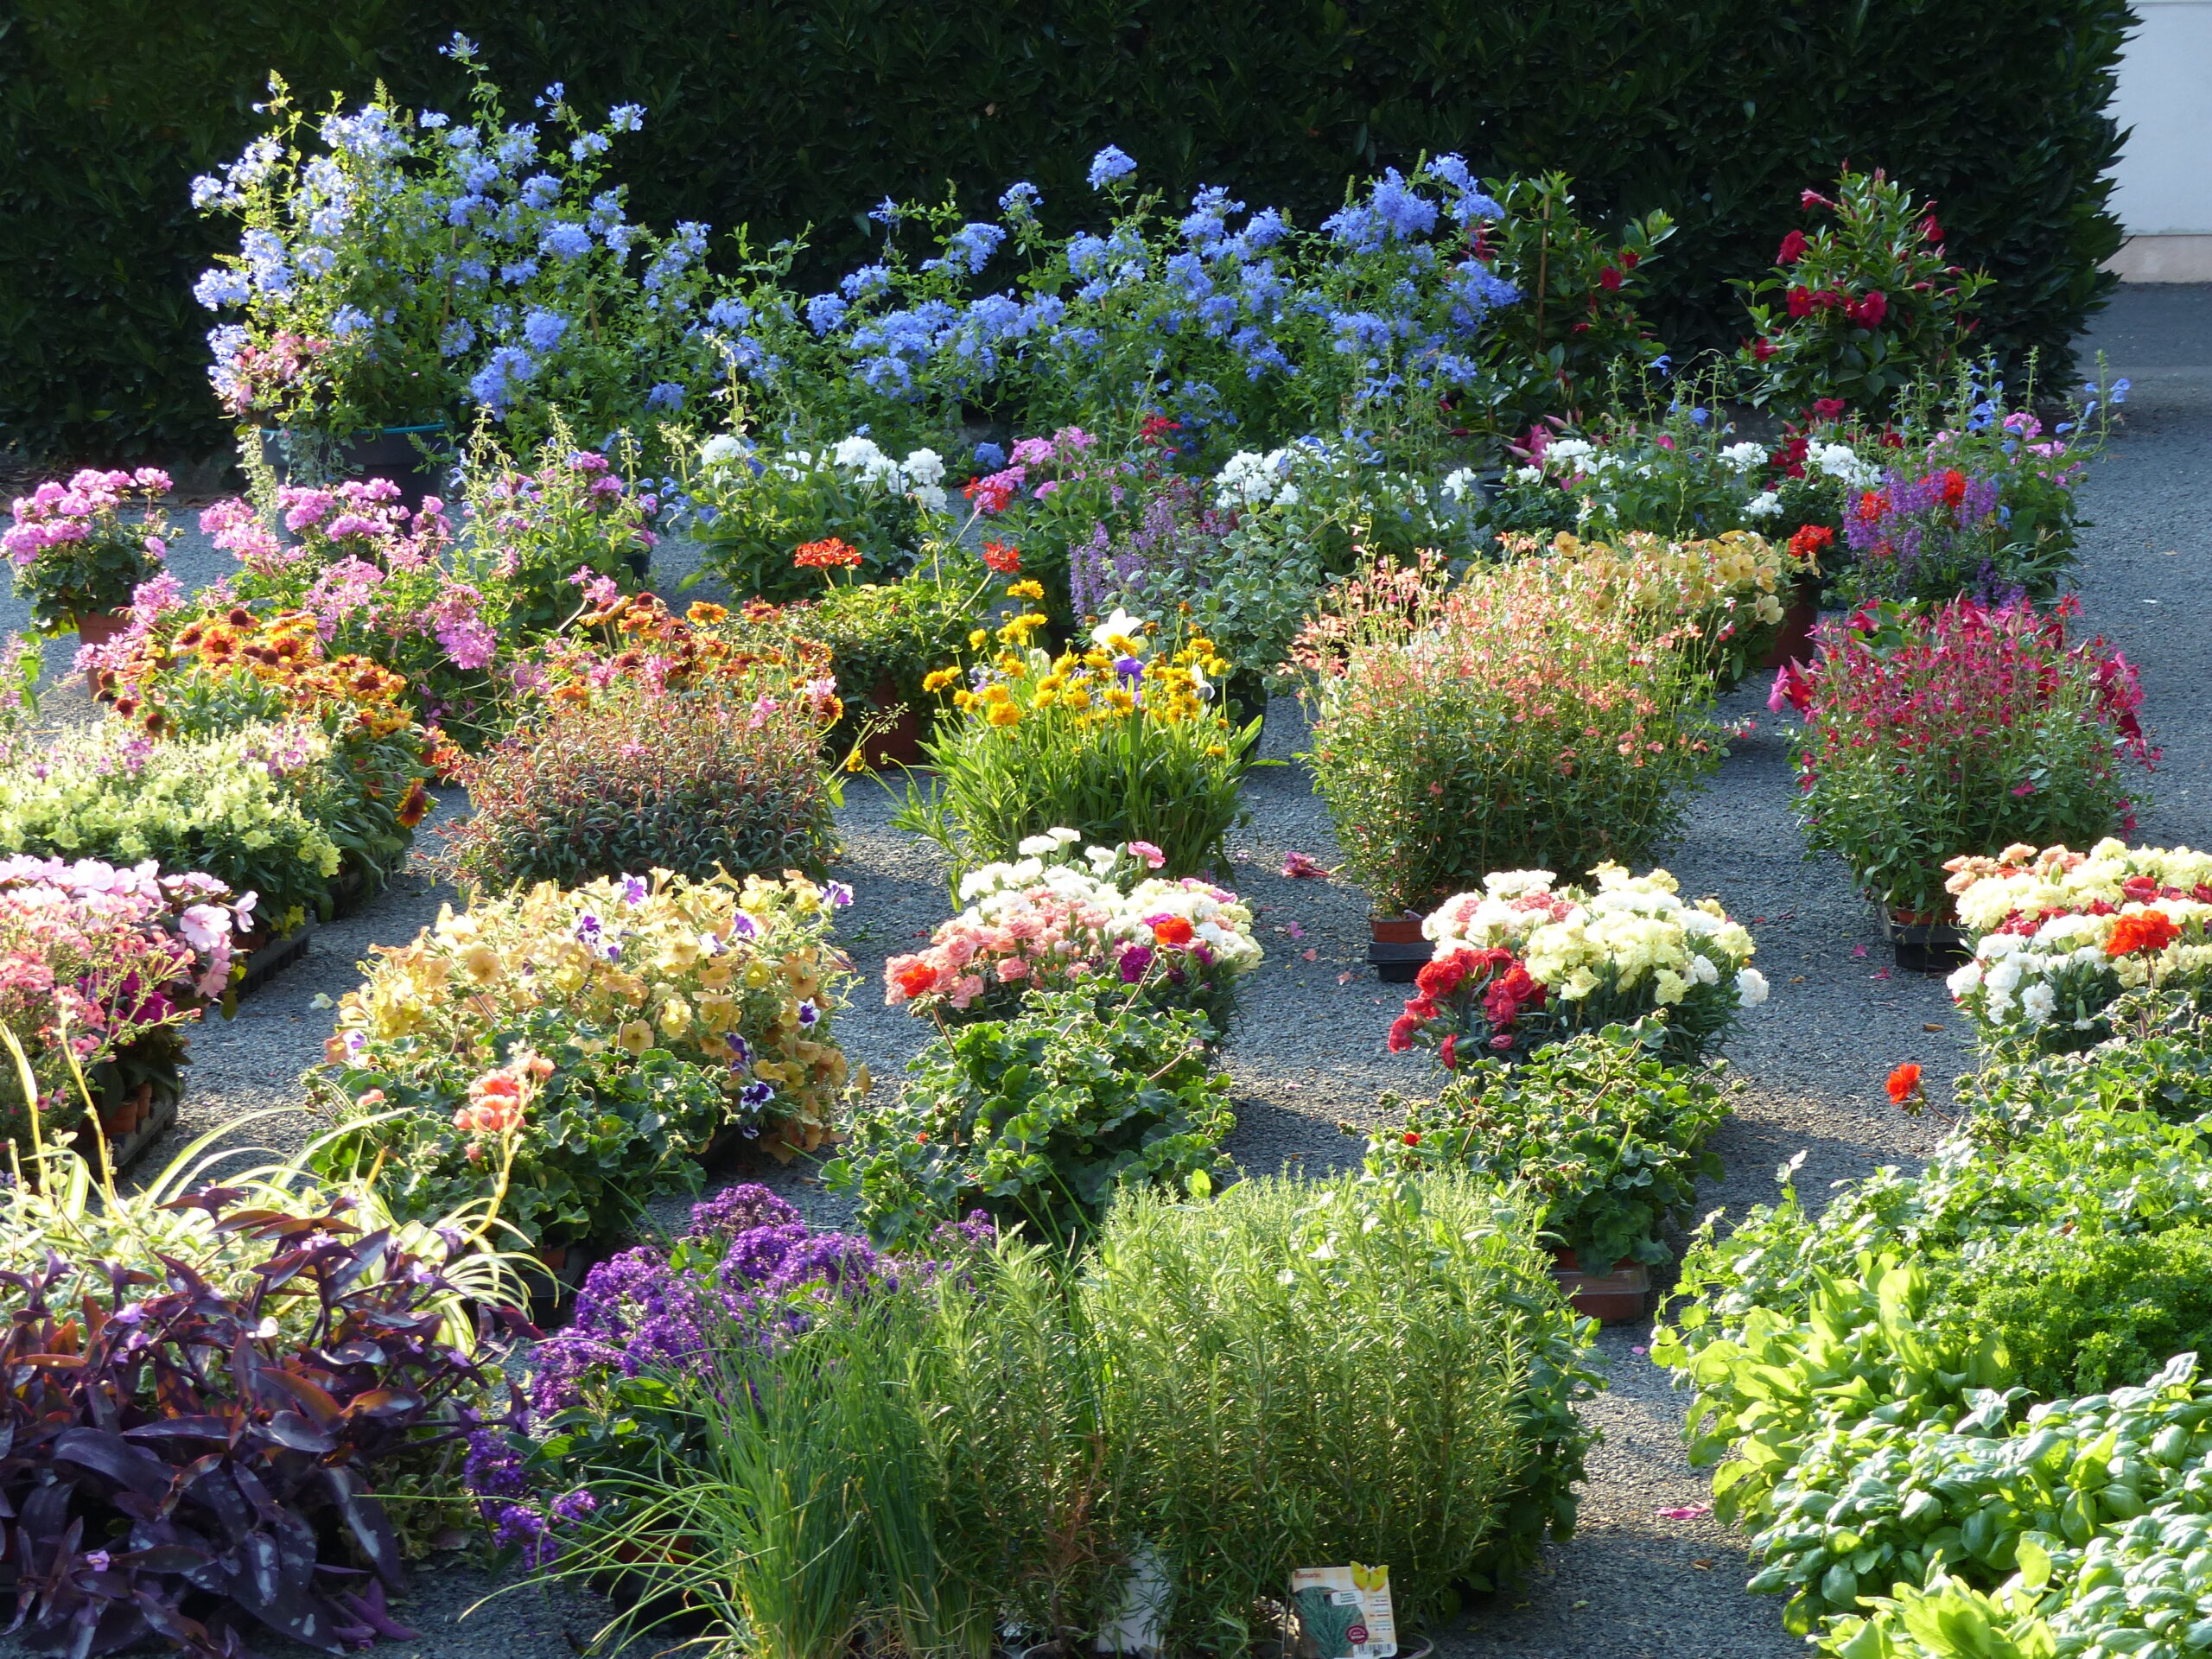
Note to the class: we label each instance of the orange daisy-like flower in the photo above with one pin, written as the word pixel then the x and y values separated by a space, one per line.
pixel 828 554
pixel 1904 1084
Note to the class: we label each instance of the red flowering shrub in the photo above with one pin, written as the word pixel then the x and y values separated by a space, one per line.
pixel 1866 304
pixel 1936 733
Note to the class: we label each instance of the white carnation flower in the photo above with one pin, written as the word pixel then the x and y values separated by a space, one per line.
pixel 2039 1002
pixel 1750 987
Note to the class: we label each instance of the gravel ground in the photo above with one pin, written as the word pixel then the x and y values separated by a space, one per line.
pixel 1308 1053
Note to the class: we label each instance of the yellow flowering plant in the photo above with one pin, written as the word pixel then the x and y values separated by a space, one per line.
pixel 1717 601
pixel 1121 737
pixel 737 977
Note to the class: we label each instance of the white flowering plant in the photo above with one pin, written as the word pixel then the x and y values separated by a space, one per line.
pixel 1521 963
pixel 2058 935
pixel 1052 920
pixel 753 508
pixel 1683 470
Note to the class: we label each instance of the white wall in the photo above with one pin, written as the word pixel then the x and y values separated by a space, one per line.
pixel 2163 193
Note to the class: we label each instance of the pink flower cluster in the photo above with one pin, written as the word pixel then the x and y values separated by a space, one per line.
pixel 101 955
pixel 1054 939
pixel 83 510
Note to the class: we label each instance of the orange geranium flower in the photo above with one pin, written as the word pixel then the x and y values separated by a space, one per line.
pixel 830 553
pixel 2146 931
pixel 1904 1084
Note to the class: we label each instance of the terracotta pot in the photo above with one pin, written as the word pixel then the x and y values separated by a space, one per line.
pixel 98 628
pixel 1610 1298
pixel 1795 642
pixel 127 1113
pixel 1395 930
pixel 554 1257
pixel 900 743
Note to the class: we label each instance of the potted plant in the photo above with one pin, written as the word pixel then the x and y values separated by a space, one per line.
pixel 1120 737
pixel 2058 935
pixel 1102 923
pixel 411 266
pixel 1522 963
pixel 103 966
pixel 77 558
pixel 1040 1118
pixel 1515 719
pixel 1939 732
pixel 1609 1138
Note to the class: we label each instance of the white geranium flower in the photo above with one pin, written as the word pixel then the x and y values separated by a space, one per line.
pixel 924 467
pixel 1528 474
pixel 1750 987
pixel 1561 452
pixel 931 498
pixel 1765 504
pixel 1742 457
pixel 1456 485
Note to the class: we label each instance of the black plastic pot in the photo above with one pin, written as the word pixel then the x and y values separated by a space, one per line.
pixel 389 454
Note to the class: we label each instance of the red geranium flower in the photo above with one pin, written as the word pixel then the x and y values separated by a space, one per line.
pixel 998 556
pixel 829 553
pixel 2146 931
pixel 1172 929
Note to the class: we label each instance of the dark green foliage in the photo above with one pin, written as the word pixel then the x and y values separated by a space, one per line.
pixel 1040 1119
pixel 783 117
pixel 1607 1138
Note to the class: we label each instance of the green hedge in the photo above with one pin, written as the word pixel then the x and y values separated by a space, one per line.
pixel 789 115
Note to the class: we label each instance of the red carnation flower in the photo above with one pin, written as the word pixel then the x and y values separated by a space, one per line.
pixel 1403 1030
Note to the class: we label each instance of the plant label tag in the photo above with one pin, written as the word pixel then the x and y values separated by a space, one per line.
pixel 1343 1612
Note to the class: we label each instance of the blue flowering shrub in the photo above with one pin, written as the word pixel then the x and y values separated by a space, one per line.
pixel 394 267
pixel 1234 325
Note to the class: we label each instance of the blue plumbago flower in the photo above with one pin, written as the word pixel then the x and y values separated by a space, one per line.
pixel 543 329
pixel 461 209
pixel 460 47
pixel 666 394
pixel 1356 225
pixel 886 212
pixel 592 144
pixel 838 895
pixel 218 287
pixel 824 312
pixel 519 272
pixel 729 314
pixel 1108 165
pixel 970 247
pixel 208 188
pixel 1020 201
pixel 1452 170
pixel 369 135
pixel 347 320
pixel 432 120
pixel 493 384
pixel 626 117
pixel 565 239
pixel 991 457
pixel 520 146
pixel 551 97
pixel 868 280
pixel 1207 222
pixel 540 190
pixel 1405 213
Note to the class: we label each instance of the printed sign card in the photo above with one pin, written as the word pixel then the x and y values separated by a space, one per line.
pixel 1343 1612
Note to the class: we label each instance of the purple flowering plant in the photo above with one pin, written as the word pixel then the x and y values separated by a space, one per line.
pixel 607 1403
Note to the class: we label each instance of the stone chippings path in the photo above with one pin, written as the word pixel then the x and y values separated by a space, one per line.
pixel 1308 1054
